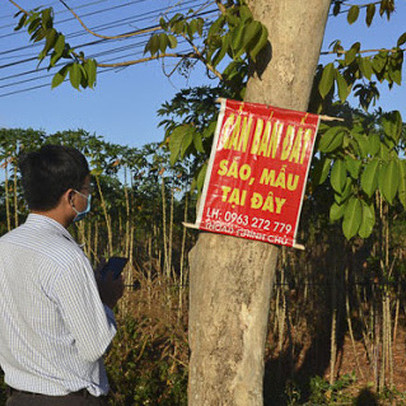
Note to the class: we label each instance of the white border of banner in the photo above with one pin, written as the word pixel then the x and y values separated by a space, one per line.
pixel 211 161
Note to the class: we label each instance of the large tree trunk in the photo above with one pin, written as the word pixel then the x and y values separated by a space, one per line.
pixel 230 278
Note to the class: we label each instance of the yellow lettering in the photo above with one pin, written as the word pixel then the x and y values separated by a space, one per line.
pixel 267 177
pixel 245 134
pixel 227 130
pixel 276 136
pixel 292 185
pixel 226 190
pixel 245 172
pixel 287 142
pixel 297 145
pixel 279 204
pixel 223 167
pixel 307 142
pixel 256 200
pixel 257 136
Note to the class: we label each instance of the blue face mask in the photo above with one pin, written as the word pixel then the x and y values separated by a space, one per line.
pixel 81 214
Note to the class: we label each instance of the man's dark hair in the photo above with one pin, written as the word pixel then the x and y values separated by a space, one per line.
pixel 48 173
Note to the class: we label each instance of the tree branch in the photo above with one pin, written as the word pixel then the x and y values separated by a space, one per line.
pixel 221 6
pixel 343 52
pixel 127 35
pixel 19 7
pixel 201 58
pixel 150 58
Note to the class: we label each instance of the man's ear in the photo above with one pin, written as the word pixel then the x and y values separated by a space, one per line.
pixel 68 196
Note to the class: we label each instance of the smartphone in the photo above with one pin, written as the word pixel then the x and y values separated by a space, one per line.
pixel 115 265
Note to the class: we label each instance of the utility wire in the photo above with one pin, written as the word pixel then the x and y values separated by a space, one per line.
pixel 97 12
pixel 8 16
pixel 111 51
pixel 86 44
pixel 82 32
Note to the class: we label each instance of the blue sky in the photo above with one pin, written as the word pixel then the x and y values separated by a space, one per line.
pixel 123 106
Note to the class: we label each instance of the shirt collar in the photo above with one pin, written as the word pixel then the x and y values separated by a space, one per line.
pixel 39 220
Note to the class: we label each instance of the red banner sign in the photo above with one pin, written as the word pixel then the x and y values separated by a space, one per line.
pixel 257 172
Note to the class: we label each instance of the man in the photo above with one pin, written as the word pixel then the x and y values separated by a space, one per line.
pixel 55 321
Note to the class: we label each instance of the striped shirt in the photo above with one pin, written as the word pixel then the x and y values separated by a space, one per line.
pixel 54 328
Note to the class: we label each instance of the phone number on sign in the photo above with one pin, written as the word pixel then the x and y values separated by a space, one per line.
pixel 256 222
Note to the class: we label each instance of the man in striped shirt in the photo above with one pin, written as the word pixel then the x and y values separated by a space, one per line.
pixel 56 321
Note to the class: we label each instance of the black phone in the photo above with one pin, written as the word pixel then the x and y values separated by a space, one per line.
pixel 115 265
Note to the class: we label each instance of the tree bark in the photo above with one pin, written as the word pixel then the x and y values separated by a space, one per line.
pixel 230 278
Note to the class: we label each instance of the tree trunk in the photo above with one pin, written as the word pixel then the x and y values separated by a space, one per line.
pixel 231 278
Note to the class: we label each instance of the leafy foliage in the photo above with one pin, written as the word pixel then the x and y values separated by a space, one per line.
pixel 363 159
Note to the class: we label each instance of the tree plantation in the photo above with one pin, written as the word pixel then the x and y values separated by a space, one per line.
pixel 337 320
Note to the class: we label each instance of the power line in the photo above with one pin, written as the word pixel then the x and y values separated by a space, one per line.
pixel 83 45
pixel 111 51
pixel 49 5
pixel 82 32
pixel 84 15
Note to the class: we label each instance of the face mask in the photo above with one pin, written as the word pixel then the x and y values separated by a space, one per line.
pixel 81 214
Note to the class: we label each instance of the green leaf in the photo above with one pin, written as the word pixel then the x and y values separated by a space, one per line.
pixel 338 177
pixel 365 66
pixel 353 14
pixel 321 170
pixel 252 32
pixel 197 142
pixel 59 77
pixel 402 182
pixel 353 166
pixel 179 141
pixel 163 42
pixel 75 75
pixel 395 74
pixel 60 44
pixel 175 142
pixel 402 39
pixel 220 54
pixel 337 211
pixel 173 42
pixel 91 69
pixel 21 22
pixel 362 141
pixel 368 220
pixel 152 45
pixel 342 197
pixel 187 140
pixel 369 178
pixel 374 144
pixel 352 218
pixel 47 18
pixel 331 139
pixel 327 80
pixel 389 180
pixel 201 177
pixel 370 14
pixel 379 61
pixel 262 41
pixel 236 40
pixel 343 87
pixel 392 125
pixel 352 53
pixel 51 38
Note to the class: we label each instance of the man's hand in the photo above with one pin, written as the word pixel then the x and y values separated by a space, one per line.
pixel 110 289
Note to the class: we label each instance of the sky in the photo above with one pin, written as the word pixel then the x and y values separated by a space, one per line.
pixel 122 107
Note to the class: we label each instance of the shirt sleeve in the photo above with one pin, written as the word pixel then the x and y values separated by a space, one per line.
pixel 91 323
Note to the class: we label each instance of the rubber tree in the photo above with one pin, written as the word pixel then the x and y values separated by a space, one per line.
pixel 231 279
